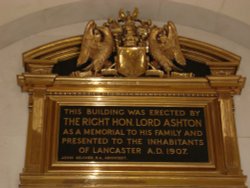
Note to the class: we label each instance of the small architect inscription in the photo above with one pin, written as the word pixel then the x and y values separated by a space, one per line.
pixel 133 134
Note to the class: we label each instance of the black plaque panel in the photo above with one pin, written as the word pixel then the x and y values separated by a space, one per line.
pixel 133 134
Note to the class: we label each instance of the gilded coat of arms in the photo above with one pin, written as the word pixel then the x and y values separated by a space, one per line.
pixel 138 48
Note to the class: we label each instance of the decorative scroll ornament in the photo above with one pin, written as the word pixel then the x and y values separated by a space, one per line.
pixel 136 47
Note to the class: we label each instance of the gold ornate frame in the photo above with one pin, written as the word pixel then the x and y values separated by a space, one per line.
pixel 48 91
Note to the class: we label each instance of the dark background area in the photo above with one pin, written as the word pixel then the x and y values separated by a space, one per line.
pixel 64 68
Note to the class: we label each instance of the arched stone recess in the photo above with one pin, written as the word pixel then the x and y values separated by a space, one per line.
pixel 80 11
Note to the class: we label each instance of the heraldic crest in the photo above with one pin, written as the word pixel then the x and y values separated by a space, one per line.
pixel 130 47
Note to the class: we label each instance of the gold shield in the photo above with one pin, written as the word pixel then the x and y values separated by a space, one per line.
pixel 132 61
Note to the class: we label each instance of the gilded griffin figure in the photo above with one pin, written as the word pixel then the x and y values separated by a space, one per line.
pixel 165 48
pixel 97 46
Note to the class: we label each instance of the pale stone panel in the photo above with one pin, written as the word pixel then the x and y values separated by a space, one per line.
pixel 237 9
pixel 13 9
pixel 244 144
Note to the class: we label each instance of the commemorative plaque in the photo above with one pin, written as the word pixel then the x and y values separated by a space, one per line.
pixel 131 104
pixel 143 134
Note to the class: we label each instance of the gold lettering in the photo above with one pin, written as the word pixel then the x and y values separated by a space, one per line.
pixel 78 132
pixel 156 151
pixel 150 151
pixel 74 141
pixel 122 122
pixel 145 132
pixel 156 112
pixel 177 151
pixel 104 132
pixel 148 122
pixel 159 132
pixel 68 132
pixel 137 141
pixel 193 133
pixel 176 142
pixel 136 112
pixel 101 111
pixel 95 121
pixel 114 150
pixel 182 123
pixel 72 121
pixel 76 111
